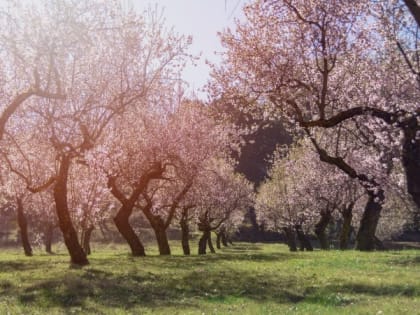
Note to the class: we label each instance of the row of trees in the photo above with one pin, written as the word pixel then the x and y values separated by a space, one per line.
pixel 94 124
pixel 342 74
pixel 303 196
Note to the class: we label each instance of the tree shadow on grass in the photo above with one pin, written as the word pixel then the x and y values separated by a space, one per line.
pixel 13 266
pixel 209 260
pixel 241 257
pixel 376 290
pixel 406 261
pixel 178 281
pixel 6 286
pixel 243 247
pixel 155 290
pixel 158 290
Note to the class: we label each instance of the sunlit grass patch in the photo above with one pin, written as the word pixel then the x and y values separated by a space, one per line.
pixel 242 279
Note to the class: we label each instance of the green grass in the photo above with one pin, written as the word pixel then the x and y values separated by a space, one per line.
pixel 243 279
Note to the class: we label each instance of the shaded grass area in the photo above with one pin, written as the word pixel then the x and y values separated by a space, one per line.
pixel 242 279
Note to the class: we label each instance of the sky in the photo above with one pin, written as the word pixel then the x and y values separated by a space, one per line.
pixel 202 19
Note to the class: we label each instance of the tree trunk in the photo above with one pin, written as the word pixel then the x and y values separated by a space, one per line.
pixel 370 218
pixel 320 228
pixel 210 243
pixel 346 227
pixel 48 238
pixel 411 159
pixel 225 239
pixel 291 239
pixel 202 243
pixel 162 239
pixel 23 228
pixel 159 228
pixel 218 239
pixel 365 239
pixel 78 256
pixel 121 220
pixel 87 233
pixel 379 245
pixel 304 241
pixel 185 237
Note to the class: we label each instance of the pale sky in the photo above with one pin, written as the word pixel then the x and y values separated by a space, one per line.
pixel 202 19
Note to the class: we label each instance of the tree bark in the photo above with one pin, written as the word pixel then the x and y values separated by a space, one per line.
pixel 121 220
pixel 346 227
pixel 304 241
pixel 87 233
pixel 159 228
pixel 162 239
pixel 290 238
pixel 185 237
pixel 202 244
pixel 411 158
pixel 320 228
pixel 218 239
pixel 365 239
pixel 370 218
pixel 23 228
pixel 379 245
pixel 210 243
pixel 48 237
pixel 225 239
pixel 78 256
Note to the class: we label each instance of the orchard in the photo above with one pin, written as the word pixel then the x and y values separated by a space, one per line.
pixel 103 145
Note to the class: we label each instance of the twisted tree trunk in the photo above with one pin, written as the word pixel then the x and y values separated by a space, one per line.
pixel 290 238
pixel 23 228
pixel 123 225
pixel 304 241
pixel 48 237
pixel 185 237
pixel 365 239
pixel 159 228
pixel 121 220
pixel 320 228
pixel 225 239
pixel 78 256
pixel 86 236
pixel 218 240
pixel 210 243
pixel 162 239
pixel 202 243
pixel 346 227
pixel 411 158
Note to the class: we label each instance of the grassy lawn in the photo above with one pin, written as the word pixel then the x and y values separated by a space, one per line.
pixel 243 279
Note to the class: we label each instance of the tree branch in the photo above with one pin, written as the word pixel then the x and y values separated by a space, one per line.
pixel 19 100
pixel 333 121
pixel 414 9
pixel 176 202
